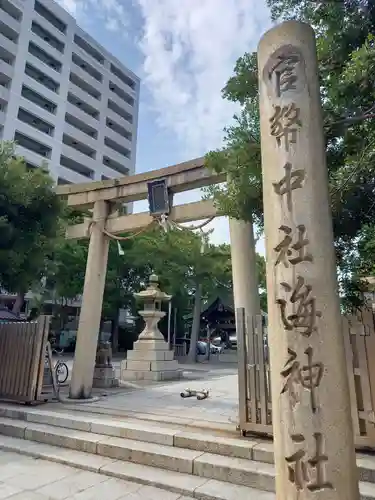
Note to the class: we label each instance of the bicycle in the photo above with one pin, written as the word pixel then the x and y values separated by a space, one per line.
pixel 61 368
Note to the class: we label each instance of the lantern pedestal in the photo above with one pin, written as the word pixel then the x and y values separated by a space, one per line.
pixel 151 358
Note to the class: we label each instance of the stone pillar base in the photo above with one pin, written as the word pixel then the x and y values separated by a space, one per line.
pixel 104 377
pixel 150 360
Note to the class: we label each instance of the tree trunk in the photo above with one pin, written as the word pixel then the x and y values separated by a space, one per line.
pixel 114 336
pixel 195 328
pixel 20 299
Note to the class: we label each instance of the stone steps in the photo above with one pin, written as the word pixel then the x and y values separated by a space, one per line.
pixel 206 465
pixel 184 484
pixel 154 450
pixel 149 432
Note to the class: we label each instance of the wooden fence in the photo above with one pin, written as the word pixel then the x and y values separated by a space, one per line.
pixel 255 404
pixel 22 359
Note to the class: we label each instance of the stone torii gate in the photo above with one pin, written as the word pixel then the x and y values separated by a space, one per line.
pixel 104 199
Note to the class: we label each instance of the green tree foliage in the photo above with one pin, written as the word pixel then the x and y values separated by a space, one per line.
pixel 345 42
pixel 189 268
pixel 29 221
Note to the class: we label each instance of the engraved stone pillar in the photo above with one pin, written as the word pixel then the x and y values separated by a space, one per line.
pixel 313 435
pixel 91 307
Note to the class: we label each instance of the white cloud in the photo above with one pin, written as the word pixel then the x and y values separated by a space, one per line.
pixel 190 47
pixel 114 13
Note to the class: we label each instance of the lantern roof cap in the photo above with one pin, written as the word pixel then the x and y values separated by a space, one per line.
pixel 153 291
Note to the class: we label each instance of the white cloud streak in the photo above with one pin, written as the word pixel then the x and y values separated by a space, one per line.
pixel 113 13
pixel 190 47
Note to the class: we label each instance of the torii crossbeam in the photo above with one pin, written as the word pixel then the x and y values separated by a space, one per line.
pixel 104 198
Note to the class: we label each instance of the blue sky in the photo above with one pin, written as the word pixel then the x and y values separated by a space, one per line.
pixel 184 51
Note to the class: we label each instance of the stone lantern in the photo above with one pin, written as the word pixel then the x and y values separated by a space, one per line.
pixel 151 358
pixel 152 299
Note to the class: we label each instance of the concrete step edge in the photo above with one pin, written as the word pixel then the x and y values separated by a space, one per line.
pixel 226 429
pixel 184 484
pixel 232 470
pixel 180 438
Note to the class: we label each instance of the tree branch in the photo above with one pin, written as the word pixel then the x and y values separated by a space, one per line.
pixel 351 120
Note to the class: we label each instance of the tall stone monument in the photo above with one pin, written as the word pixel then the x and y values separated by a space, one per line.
pixel 313 436
pixel 151 358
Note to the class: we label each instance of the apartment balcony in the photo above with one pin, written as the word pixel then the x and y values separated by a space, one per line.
pixel 10 21
pixel 2 117
pixel 49 49
pixel 6 72
pixel 112 115
pixel 112 173
pixel 85 55
pixel 49 27
pixel 122 164
pixel 84 96
pixel 6 69
pixel 72 176
pixel 8 45
pixel 31 156
pixel 117 137
pixel 34 133
pixel 36 110
pixel 4 93
pixel 43 67
pixel 124 86
pixel 73 154
pixel 40 89
pixel 75 111
pixel 121 103
pixel 81 136
pixel 81 73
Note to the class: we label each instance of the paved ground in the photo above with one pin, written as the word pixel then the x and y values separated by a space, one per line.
pixel 25 478
pixel 164 398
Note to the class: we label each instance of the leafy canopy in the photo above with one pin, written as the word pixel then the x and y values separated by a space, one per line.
pixel 345 34
pixel 29 220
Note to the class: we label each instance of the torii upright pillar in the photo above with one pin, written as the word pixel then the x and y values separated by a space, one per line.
pixel 91 309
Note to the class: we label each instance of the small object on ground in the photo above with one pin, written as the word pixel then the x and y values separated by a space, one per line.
pixel 188 393
pixel 203 394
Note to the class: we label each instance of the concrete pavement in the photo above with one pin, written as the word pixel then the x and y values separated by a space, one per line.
pixel 26 478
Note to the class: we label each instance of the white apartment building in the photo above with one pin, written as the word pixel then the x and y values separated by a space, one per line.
pixel 63 98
